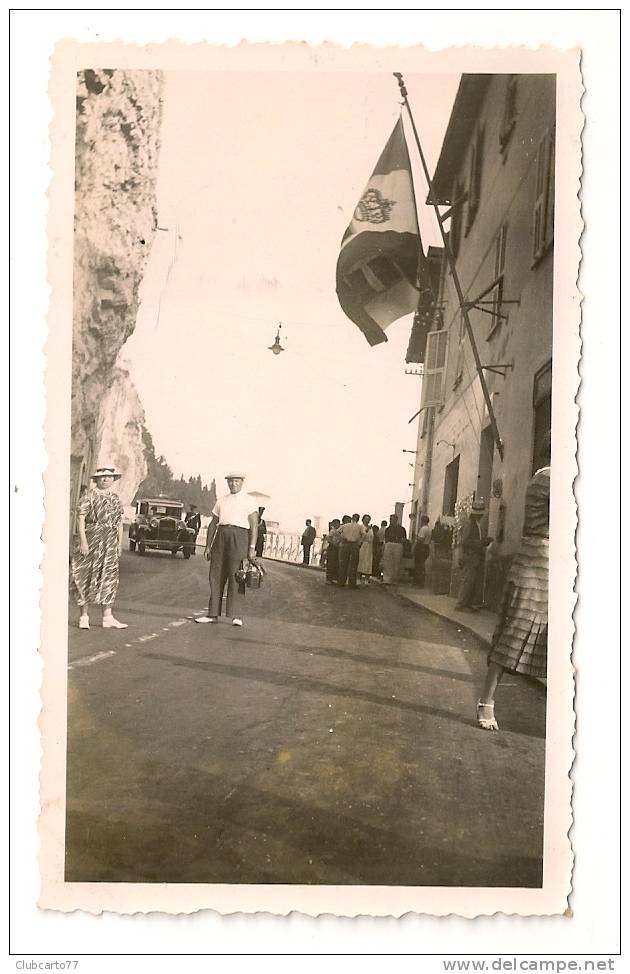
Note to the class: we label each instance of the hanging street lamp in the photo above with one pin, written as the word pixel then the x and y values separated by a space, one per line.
pixel 276 348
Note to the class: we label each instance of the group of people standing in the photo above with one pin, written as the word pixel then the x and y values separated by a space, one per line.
pixel 355 550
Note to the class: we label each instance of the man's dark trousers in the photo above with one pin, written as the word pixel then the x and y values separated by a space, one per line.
pixel 307 554
pixel 348 563
pixel 420 556
pixel 228 551
pixel 472 567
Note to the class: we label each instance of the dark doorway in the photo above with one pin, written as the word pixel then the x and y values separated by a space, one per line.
pixel 451 478
pixel 486 460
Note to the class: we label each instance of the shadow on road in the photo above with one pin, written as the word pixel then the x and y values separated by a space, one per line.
pixel 300 682
pixel 333 653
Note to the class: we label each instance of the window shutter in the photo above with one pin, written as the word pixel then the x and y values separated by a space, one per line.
pixel 459 363
pixel 472 185
pixel 545 188
pixel 499 270
pixel 479 164
pixel 509 112
pixel 539 202
pixel 474 179
pixel 434 366
pixel 551 185
pixel 456 221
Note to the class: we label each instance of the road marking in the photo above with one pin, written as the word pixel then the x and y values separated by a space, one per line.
pixel 97 657
pixel 88 660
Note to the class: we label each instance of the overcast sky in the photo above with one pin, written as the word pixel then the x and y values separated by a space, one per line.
pixel 259 175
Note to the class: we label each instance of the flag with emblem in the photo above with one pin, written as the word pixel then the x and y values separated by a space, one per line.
pixel 381 269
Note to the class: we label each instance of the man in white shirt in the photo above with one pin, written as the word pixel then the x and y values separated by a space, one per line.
pixel 231 539
pixel 351 533
pixel 421 551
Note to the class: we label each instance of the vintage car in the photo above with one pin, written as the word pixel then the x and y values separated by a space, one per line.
pixel 159 524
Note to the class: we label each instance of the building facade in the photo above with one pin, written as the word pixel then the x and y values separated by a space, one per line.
pixel 496 169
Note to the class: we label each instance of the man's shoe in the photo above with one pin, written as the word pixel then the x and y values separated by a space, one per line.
pixel 237 622
pixel 110 623
pixel 204 619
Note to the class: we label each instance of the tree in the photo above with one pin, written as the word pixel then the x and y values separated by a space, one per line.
pixel 160 480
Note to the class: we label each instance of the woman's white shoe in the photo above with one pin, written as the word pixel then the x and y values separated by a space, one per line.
pixel 237 622
pixel 485 716
pixel 110 623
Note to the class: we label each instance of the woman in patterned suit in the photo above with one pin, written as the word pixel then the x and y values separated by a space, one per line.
pixel 99 544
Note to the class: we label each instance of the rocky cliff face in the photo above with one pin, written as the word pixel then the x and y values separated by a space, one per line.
pixel 119 433
pixel 117 143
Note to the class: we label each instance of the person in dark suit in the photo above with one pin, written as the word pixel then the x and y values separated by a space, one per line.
pixel 308 538
pixel 262 533
pixel 473 547
pixel 193 520
pixel 332 552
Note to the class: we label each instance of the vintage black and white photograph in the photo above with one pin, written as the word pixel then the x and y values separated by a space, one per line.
pixel 310 450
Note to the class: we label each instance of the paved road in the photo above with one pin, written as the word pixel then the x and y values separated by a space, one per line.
pixel 331 740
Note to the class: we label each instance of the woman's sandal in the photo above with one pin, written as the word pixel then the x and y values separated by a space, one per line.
pixel 485 716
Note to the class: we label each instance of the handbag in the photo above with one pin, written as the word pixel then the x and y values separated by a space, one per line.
pixel 250 577
pixel 253 576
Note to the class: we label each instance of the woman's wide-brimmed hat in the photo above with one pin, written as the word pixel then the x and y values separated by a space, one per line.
pixel 233 475
pixel 106 472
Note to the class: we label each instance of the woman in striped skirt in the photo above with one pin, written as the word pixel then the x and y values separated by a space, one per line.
pixel 96 554
pixel 519 644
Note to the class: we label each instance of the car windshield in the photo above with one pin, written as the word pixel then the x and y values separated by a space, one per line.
pixel 162 510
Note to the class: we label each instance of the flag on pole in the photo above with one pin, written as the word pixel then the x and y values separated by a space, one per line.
pixel 381 254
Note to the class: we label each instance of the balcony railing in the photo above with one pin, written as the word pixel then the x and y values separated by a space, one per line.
pixel 284 546
pixel 287 547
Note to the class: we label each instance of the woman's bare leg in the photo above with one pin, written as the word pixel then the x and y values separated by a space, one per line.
pixel 493 678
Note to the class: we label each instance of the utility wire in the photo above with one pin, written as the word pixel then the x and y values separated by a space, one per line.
pixel 169 270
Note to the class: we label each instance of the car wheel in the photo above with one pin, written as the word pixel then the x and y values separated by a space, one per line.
pixel 141 547
pixel 132 545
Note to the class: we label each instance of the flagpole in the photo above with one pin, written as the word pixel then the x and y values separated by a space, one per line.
pixel 426 474
pixel 451 260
